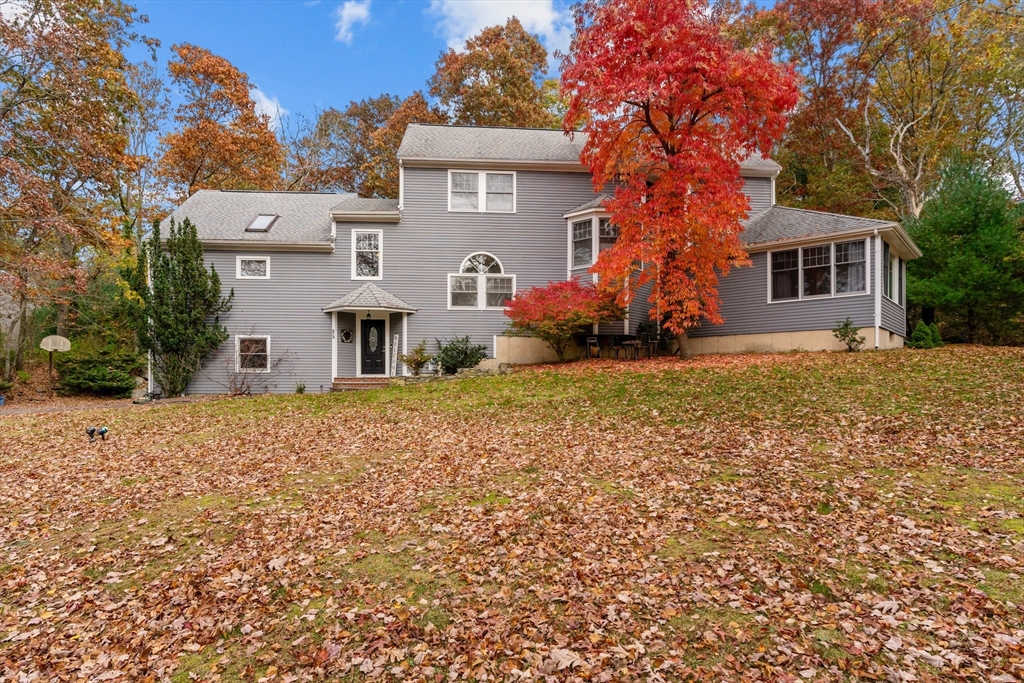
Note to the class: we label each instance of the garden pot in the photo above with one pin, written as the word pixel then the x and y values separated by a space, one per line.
pixel 2 401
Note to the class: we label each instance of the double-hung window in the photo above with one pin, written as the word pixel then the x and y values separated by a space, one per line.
pixel 582 243
pixel 851 270
pixel 480 283
pixel 252 354
pixel 893 285
pixel 252 268
pixel 607 234
pixel 818 271
pixel 482 191
pixel 366 254
pixel 786 275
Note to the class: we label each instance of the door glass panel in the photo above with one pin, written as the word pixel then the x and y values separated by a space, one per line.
pixel 373 340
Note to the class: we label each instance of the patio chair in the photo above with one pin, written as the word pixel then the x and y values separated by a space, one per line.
pixel 593 348
pixel 616 345
pixel 653 344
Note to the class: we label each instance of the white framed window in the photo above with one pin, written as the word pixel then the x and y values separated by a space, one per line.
pixel 252 353
pixel 252 267
pixel 607 234
pixel 367 254
pixel 821 270
pixel 481 283
pixel 482 191
pixel 582 243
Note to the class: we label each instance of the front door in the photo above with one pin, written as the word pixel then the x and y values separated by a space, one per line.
pixel 372 347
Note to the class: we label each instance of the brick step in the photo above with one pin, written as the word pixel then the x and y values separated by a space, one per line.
pixel 359 383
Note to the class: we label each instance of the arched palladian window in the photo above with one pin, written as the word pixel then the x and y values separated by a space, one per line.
pixel 480 283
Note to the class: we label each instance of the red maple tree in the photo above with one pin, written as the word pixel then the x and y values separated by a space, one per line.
pixel 671 106
pixel 559 310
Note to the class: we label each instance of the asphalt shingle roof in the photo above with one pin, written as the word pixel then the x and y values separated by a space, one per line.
pixel 781 223
pixel 363 205
pixel 595 203
pixel 305 217
pixel 428 141
pixel 370 296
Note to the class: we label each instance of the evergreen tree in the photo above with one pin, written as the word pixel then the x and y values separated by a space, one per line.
pixel 177 315
pixel 972 271
pixel 922 337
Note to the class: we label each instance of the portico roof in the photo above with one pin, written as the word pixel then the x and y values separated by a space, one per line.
pixel 370 297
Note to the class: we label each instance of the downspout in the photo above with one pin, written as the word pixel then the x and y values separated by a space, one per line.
pixel 878 288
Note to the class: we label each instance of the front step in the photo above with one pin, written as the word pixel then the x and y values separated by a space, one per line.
pixel 359 383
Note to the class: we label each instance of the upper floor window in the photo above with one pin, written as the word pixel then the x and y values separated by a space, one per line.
pixel 252 267
pixel 366 254
pixel 480 283
pixel 818 271
pixel 484 191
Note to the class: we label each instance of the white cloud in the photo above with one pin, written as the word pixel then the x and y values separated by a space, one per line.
pixel 269 106
pixel 349 14
pixel 460 19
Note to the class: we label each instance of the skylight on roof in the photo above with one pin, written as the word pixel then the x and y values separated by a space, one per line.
pixel 262 222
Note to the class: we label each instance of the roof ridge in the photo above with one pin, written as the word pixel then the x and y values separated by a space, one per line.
pixel 828 213
pixel 456 125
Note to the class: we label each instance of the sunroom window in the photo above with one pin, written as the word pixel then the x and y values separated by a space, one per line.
pixel 480 283
pixel 819 271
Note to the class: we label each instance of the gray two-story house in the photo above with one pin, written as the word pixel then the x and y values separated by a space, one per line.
pixel 334 286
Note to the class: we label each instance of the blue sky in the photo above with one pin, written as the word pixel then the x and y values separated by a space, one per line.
pixel 321 53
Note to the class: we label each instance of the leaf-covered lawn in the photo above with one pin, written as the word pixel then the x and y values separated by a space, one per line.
pixel 792 517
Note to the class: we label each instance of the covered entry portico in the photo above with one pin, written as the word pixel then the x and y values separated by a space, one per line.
pixel 369 319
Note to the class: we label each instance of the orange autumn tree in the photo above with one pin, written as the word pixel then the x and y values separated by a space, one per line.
pixel 222 142
pixel 671 107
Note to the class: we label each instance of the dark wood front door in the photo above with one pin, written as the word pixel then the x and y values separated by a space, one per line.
pixel 372 347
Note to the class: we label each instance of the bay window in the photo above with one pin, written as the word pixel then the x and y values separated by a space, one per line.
pixel 582 243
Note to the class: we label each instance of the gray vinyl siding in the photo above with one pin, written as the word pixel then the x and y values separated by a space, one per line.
pixel 395 322
pixel 347 352
pixel 894 317
pixel 430 242
pixel 759 190
pixel 640 306
pixel 745 307
pixel 287 307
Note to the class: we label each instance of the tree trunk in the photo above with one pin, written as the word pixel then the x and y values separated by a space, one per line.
pixel 684 346
pixel 62 319
pixel 928 314
pixel 972 326
pixel 19 351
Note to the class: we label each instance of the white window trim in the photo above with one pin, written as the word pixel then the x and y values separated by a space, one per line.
pixel 250 257
pixel 380 254
pixel 897 267
pixel 800 272
pixel 595 240
pixel 481 188
pixel 238 353
pixel 481 291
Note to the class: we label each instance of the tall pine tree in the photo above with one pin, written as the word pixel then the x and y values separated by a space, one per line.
pixel 972 271
pixel 178 316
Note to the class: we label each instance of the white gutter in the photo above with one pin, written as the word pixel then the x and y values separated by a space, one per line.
pixel 878 288
pixel 367 216
pixel 266 245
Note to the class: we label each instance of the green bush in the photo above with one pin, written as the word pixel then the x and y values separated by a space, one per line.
pixel 846 332
pixel 106 372
pixel 416 359
pixel 23 375
pixel 457 353
pixel 5 385
pixel 936 337
pixel 921 337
